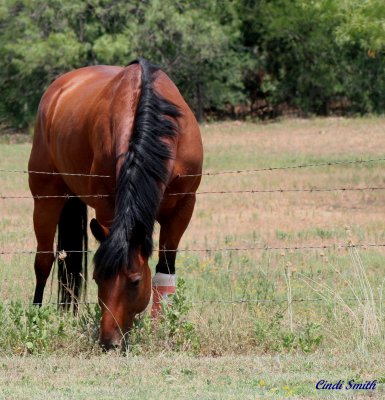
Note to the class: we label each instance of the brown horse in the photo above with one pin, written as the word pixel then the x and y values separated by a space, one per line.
pixel 119 140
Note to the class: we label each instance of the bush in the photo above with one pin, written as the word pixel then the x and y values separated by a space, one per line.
pixel 320 56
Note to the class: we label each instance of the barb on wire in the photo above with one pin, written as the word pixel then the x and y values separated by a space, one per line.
pixel 224 249
pixel 298 166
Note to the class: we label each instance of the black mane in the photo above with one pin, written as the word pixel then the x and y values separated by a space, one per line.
pixel 138 196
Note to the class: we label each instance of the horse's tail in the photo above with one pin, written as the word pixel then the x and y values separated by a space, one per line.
pixel 143 171
pixel 72 246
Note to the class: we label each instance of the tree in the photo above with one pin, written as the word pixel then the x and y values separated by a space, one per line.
pixel 193 41
pixel 361 38
pixel 316 53
pixel 304 54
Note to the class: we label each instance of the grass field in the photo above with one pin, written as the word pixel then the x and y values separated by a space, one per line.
pixel 245 324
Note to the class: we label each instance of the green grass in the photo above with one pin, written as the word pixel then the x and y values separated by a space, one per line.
pixel 245 324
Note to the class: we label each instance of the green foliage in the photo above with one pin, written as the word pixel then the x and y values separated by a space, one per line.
pixel 193 41
pixel 318 56
pixel 310 338
pixel 274 334
pixel 29 330
pixel 173 319
pixel 88 323
pixel 173 331
pixel 362 23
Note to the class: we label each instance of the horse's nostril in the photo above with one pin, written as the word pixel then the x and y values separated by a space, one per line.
pixel 109 342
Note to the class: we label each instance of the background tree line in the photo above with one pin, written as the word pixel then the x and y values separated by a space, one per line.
pixel 241 57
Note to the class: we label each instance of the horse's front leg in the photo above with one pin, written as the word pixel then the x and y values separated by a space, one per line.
pixel 172 226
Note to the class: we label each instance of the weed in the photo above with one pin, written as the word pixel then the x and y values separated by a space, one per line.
pixel 174 326
pixel 173 331
pixel 310 339
pixel 281 235
pixel 89 321
pixel 31 329
pixel 276 335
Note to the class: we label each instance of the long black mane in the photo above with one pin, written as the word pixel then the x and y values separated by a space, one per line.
pixel 138 195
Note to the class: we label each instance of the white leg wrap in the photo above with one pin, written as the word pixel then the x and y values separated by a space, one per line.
pixel 162 286
pixel 161 279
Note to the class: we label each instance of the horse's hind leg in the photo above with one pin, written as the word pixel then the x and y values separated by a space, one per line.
pixel 46 216
pixel 173 224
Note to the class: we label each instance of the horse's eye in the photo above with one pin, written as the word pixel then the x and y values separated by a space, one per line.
pixel 134 278
pixel 136 282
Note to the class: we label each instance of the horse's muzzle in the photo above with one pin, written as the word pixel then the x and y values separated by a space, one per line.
pixel 109 345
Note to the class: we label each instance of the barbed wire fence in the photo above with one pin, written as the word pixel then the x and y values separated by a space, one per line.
pixel 253 246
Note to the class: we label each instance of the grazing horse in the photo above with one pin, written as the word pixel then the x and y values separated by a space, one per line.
pixel 120 140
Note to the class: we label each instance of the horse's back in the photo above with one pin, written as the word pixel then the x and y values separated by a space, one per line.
pixel 71 96
pixel 78 87
pixel 89 79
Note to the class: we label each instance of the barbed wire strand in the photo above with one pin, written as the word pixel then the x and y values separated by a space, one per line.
pixel 53 173
pixel 209 301
pixel 297 166
pixel 213 173
pixel 246 191
pixel 220 249
pixel 66 196
pixel 310 190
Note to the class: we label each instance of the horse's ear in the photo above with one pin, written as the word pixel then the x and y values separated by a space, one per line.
pixel 97 230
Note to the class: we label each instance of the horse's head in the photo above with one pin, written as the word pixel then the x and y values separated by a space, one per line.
pixel 122 294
